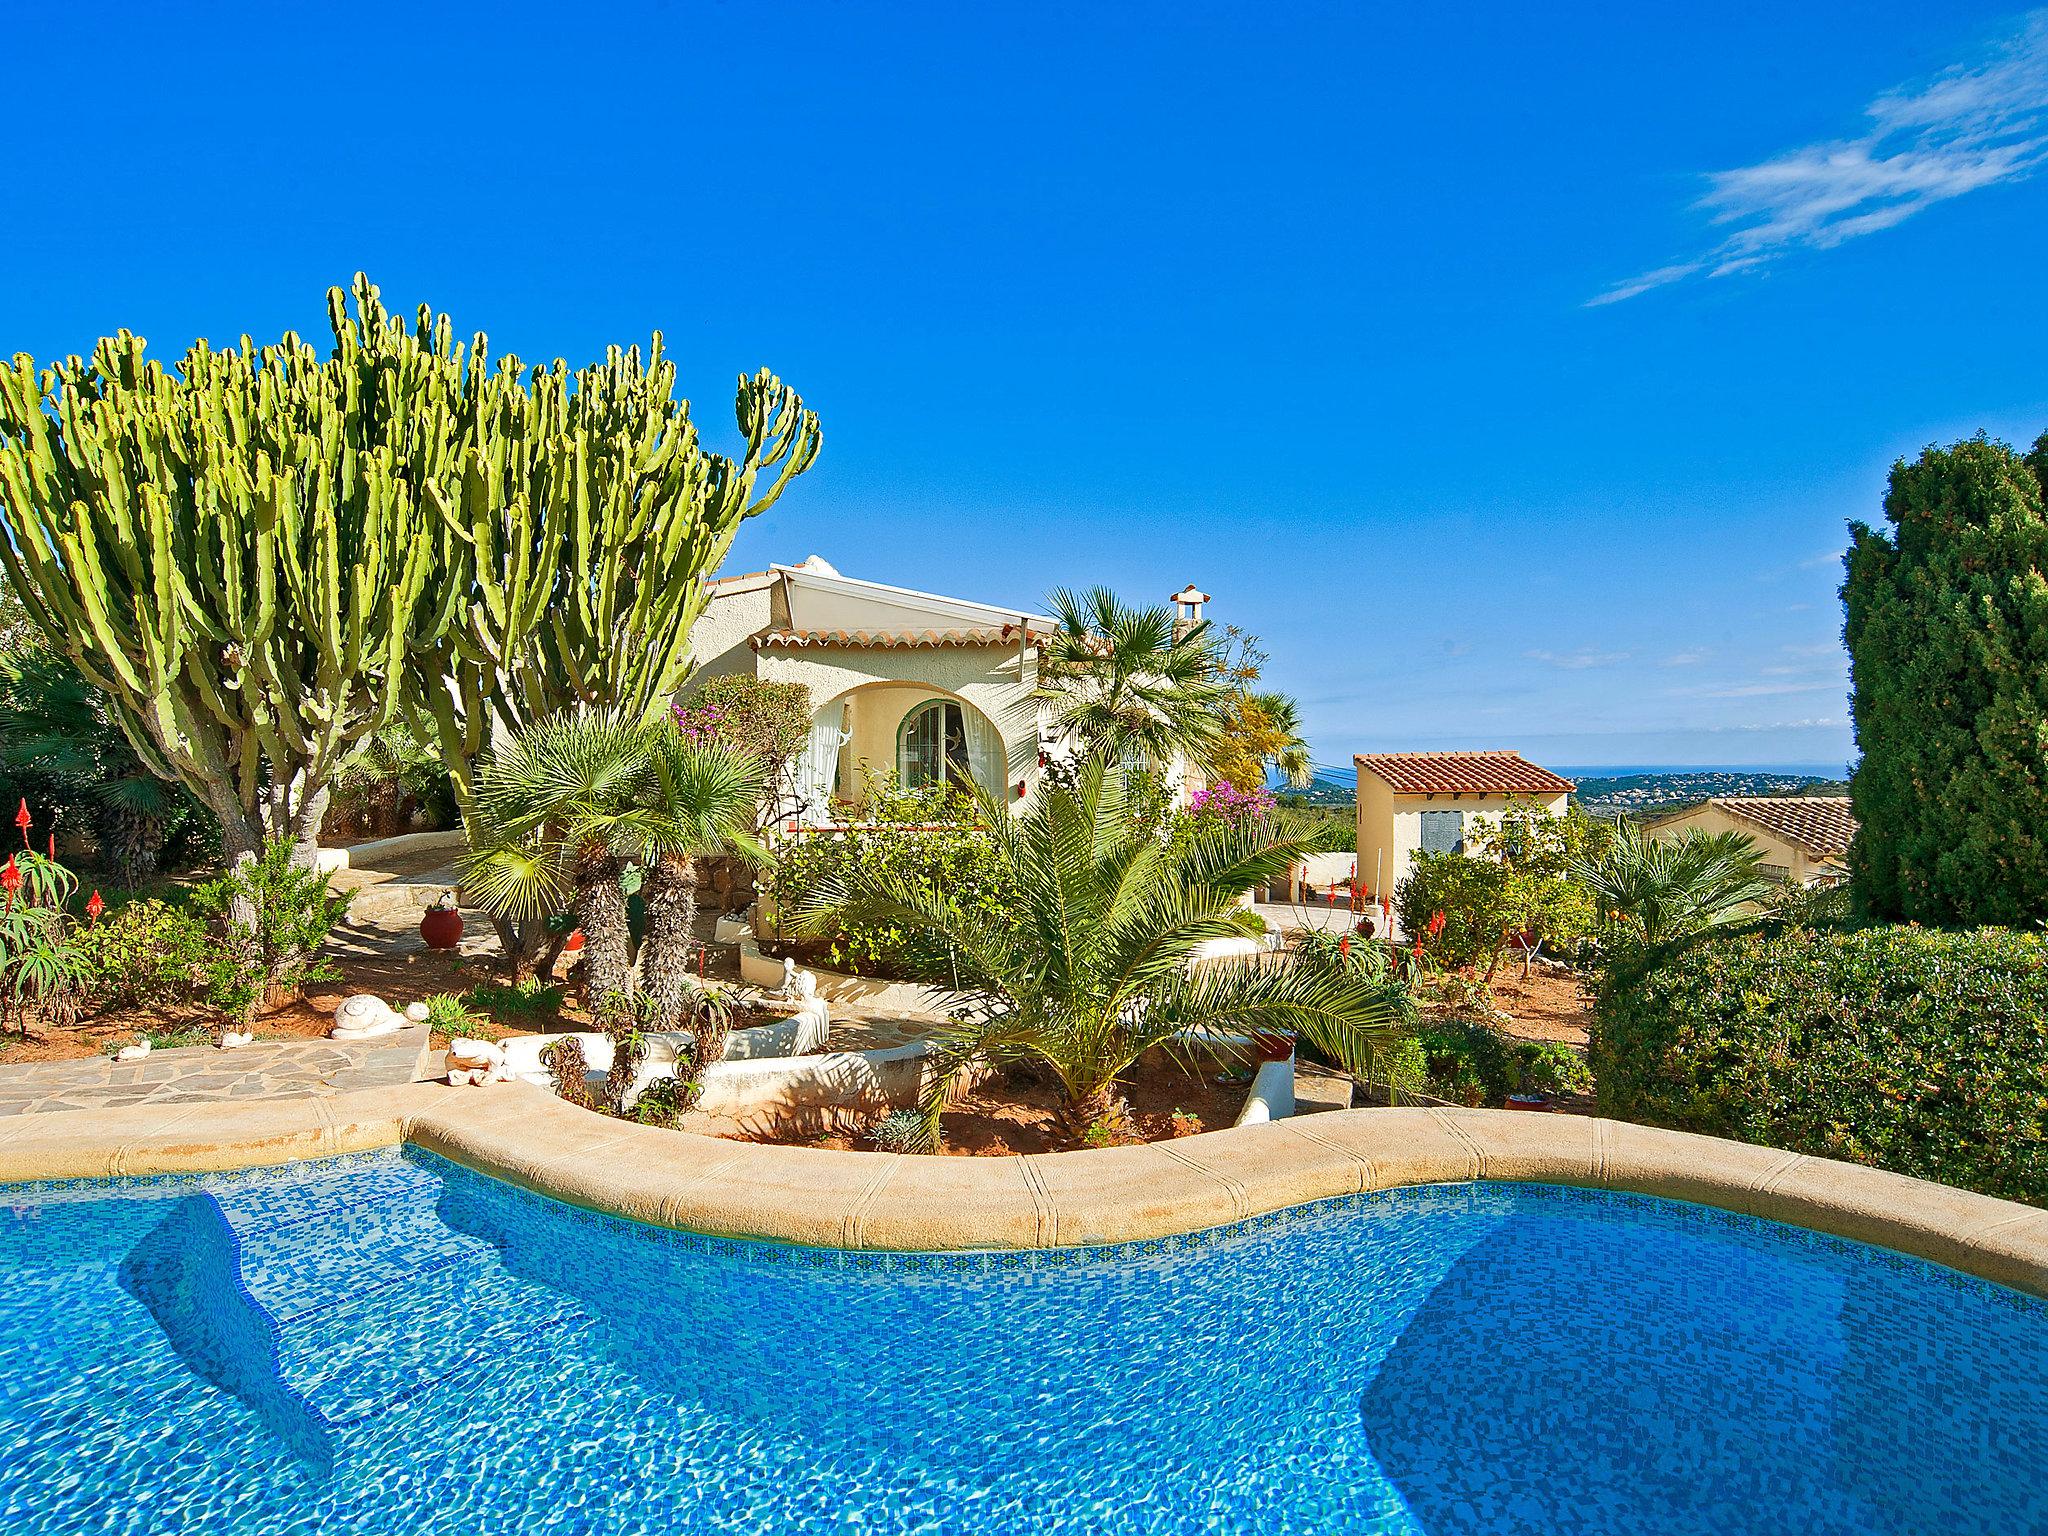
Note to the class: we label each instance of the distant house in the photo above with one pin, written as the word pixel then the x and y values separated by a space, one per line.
pixel 1425 802
pixel 1805 838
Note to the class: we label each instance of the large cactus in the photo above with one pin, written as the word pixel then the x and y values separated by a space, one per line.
pixel 236 554
pixel 268 554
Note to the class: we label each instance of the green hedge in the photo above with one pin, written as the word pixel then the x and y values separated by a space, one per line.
pixel 1917 1050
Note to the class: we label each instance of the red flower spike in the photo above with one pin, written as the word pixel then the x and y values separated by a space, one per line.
pixel 95 907
pixel 23 820
pixel 10 879
pixel 53 847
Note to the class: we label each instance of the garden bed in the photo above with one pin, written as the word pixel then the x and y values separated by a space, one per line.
pixel 1017 1113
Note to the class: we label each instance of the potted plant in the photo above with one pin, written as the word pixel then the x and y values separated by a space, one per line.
pixel 441 924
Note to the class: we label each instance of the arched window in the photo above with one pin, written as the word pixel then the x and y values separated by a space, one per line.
pixel 931 746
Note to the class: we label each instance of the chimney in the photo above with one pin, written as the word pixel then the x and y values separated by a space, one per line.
pixel 1187 608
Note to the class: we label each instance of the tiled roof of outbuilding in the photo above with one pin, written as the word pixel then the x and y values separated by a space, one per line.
pixel 1463 773
pixel 1821 824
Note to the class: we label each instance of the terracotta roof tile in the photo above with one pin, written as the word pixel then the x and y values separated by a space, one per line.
pixel 1463 773
pixel 1821 824
pixel 887 640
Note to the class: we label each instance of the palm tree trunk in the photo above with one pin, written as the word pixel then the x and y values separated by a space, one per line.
pixel 601 913
pixel 671 895
pixel 1102 1106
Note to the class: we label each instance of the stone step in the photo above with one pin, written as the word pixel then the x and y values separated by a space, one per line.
pixel 1318 1090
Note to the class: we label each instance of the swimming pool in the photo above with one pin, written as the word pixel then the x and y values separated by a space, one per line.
pixel 393 1343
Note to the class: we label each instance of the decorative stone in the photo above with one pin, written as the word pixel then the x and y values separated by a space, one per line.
pixel 417 1012
pixel 133 1052
pixel 231 1039
pixel 364 1017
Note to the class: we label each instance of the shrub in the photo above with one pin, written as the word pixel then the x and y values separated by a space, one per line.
pixel 1946 630
pixel 143 955
pixel 942 849
pixel 527 1002
pixel 769 722
pixel 1363 957
pixel 1547 1066
pixel 1465 1062
pixel 269 920
pixel 1920 1051
pixel 1521 878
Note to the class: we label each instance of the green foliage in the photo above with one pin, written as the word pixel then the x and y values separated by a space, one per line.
pixel 1917 1050
pixel 932 839
pixel 146 954
pixel 902 1130
pixel 265 555
pixel 1471 893
pixel 1333 827
pixel 766 722
pixel 1365 958
pixel 62 750
pixel 1521 879
pixel 270 919
pixel 1086 964
pixel 449 1013
pixel 1129 683
pixel 527 1002
pixel 41 971
pixel 392 783
pixel 171 1038
pixel 1654 891
pixel 1947 628
pixel 663 1101
pixel 1466 1062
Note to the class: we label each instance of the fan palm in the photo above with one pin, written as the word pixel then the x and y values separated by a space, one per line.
pixel 697 800
pixel 1661 890
pixel 559 805
pixel 1131 682
pixel 1090 967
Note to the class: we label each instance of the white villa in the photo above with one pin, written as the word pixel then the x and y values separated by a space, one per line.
pixel 908 686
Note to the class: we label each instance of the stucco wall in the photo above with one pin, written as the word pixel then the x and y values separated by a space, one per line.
pixel 985 677
pixel 720 640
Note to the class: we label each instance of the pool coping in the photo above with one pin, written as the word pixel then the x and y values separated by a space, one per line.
pixel 892 1201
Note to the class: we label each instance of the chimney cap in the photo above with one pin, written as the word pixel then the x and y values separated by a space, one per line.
pixel 1189 594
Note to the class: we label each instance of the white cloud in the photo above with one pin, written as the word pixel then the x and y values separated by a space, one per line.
pixel 1973 125
pixel 1579 660
pixel 1687 658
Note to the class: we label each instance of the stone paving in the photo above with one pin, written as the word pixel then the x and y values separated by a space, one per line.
pixel 277 1069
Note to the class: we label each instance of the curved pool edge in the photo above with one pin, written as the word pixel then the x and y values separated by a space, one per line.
pixel 879 1200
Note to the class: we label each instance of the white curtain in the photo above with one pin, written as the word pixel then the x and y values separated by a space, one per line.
pixel 986 757
pixel 820 766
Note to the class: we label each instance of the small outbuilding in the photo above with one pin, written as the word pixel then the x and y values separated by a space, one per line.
pixel 1425 802
pixel 1805 838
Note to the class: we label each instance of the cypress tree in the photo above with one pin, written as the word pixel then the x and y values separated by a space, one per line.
pixel 1946 619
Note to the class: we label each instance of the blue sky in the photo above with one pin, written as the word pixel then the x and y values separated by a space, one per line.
pixel 1511 370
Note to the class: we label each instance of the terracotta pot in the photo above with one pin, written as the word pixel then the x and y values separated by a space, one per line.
pixel 441 927
pixel 1531 1101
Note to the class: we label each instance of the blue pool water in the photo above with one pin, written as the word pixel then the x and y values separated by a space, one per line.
pixel 393 1344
